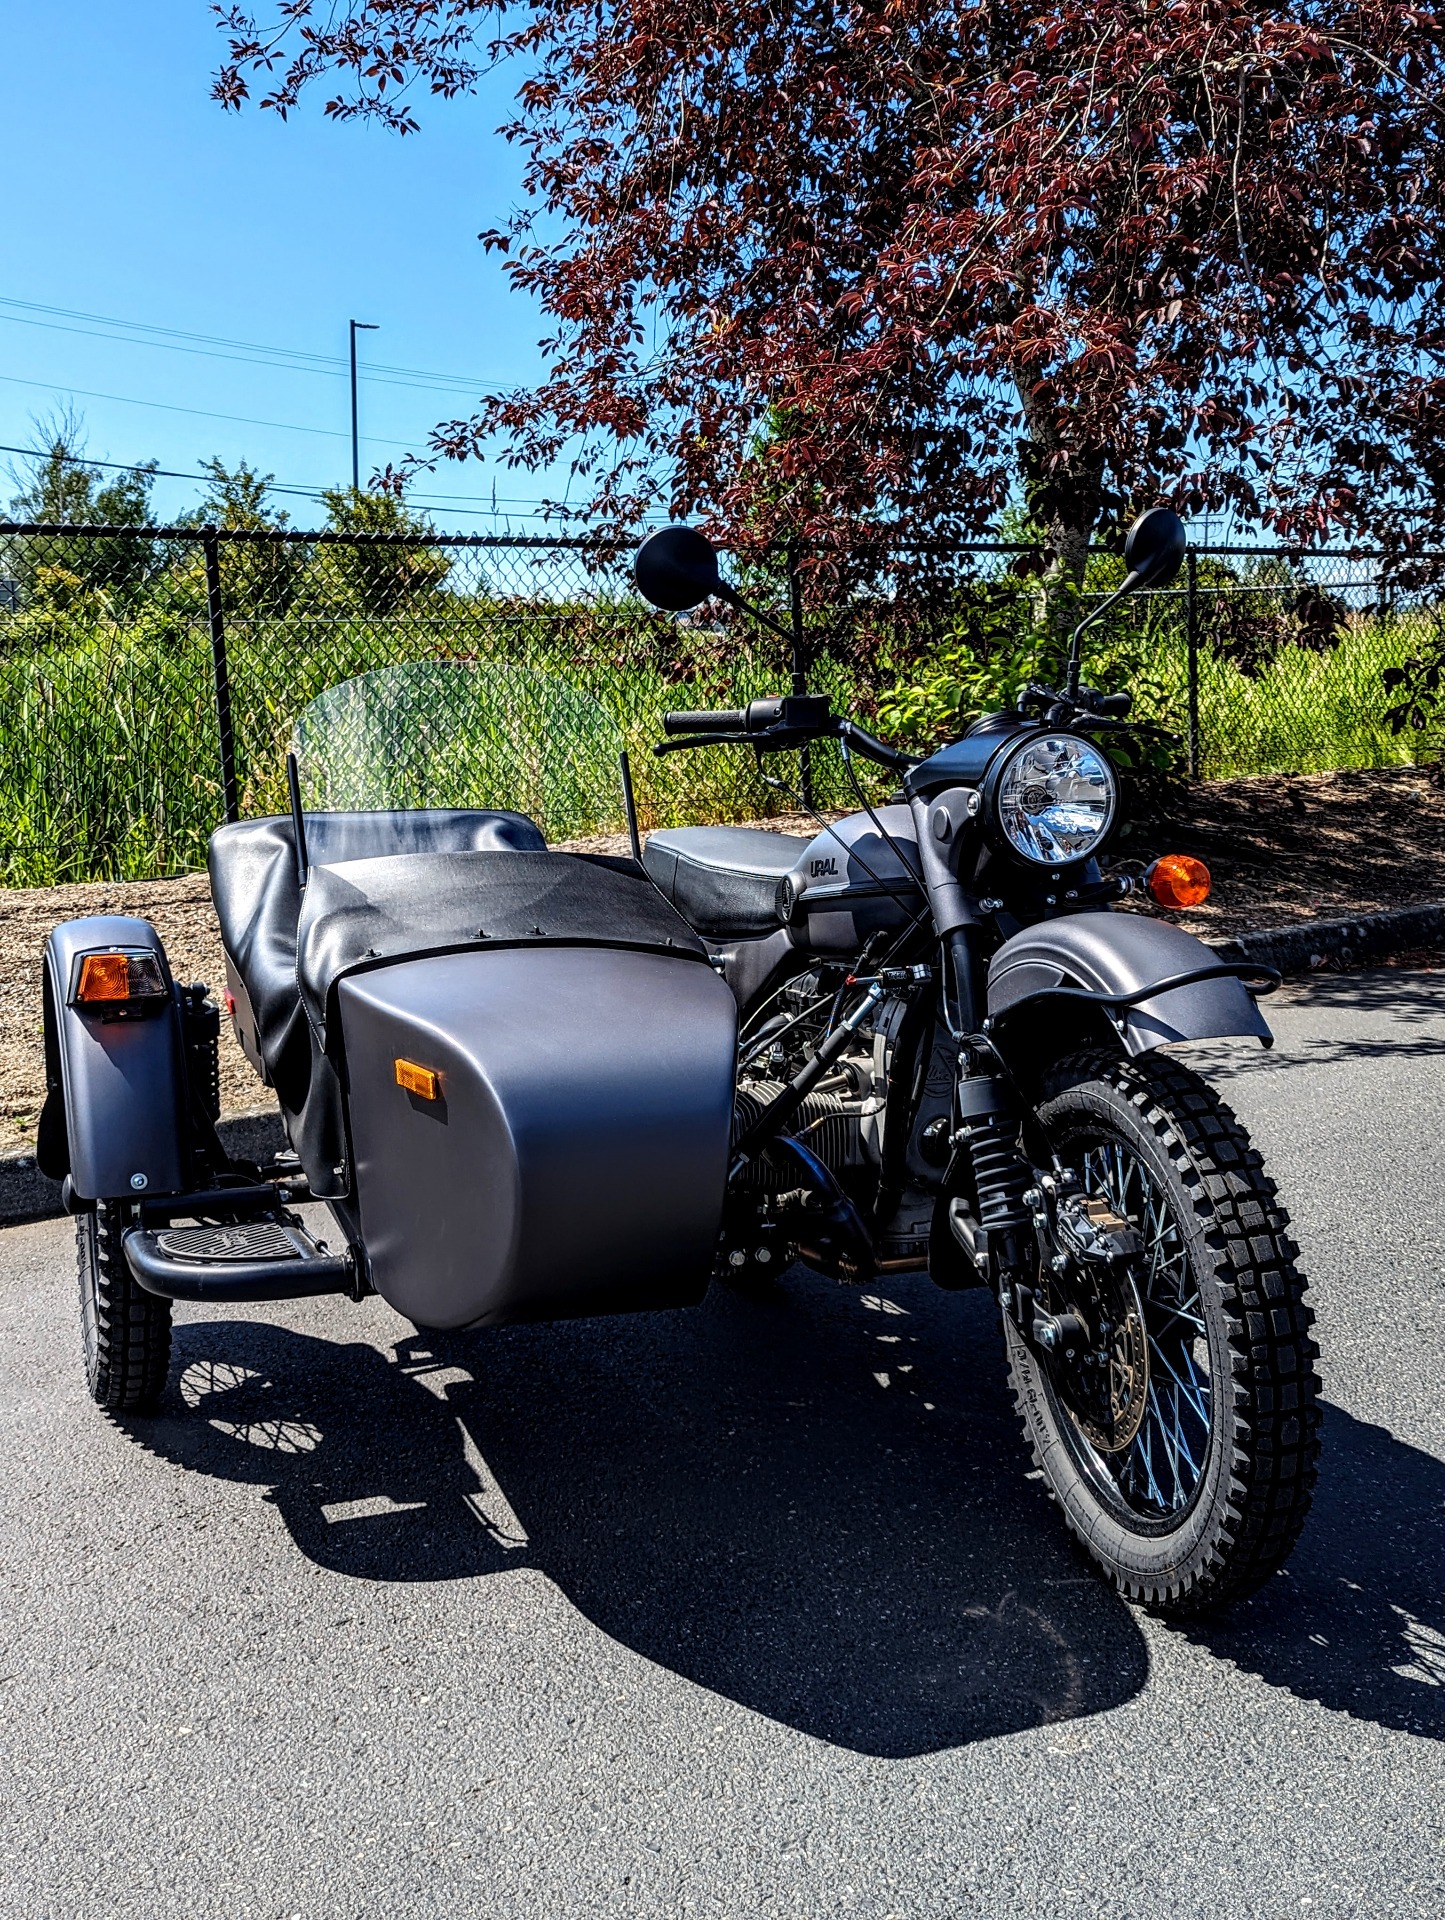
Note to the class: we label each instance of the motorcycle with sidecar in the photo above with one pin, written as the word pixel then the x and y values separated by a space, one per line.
pixel 529 1083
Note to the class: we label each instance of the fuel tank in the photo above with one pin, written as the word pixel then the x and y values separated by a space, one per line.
pixel 538 1132
pixel 852 882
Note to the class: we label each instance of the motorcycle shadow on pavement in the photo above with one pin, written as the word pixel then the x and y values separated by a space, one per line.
pixel 1357 1619
pixel 812 1501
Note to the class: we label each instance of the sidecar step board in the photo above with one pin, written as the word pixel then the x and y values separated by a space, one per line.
pixel 246 1260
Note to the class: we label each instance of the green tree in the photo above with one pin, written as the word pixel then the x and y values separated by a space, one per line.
pixel 379 579
pixel 258 576
pixel 237 498
pixel 64 489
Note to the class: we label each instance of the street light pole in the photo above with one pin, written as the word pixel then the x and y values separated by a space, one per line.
pixel 356 326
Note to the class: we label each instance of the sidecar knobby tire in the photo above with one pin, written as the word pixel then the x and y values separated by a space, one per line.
pixel 125 1331
pixel 1258 1475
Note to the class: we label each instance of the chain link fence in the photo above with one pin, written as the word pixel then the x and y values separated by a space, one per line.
pixel 152 680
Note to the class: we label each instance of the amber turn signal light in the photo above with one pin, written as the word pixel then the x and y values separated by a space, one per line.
pixel 418 1080
pixel 119 979
pixel 1178 880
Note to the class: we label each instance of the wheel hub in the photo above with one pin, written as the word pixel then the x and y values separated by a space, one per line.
pixel 1106 1389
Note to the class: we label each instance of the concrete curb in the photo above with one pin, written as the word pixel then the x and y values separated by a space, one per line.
pixel 25 1193
pixel 1316 943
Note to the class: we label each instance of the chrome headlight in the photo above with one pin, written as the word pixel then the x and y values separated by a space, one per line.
pixel 1053 798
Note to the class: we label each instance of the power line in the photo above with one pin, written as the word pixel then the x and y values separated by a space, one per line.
pixel 217 347
pixel 141 466
pixel 202 413
pixel 455 501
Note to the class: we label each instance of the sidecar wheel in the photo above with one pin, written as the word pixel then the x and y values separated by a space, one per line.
pixel 125 1332
pixel 1205 1499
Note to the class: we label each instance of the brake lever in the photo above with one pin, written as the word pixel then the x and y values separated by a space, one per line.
pixel 705 740
pixel 793 739
pixel 767 740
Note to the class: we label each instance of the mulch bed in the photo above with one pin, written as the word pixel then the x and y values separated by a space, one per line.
pixel 1285 848
pixel 1281 849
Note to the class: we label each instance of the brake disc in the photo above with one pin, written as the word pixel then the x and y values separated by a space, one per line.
pixel 1107 1388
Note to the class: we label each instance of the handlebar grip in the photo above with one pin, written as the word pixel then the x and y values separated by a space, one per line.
pixel 1115 706
pixel 717 722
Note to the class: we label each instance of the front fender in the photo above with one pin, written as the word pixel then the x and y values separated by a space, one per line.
pixel 113 1115
pixel 1086 976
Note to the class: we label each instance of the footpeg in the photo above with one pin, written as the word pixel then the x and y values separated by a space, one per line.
pixel 969 1234
pixel 240 1260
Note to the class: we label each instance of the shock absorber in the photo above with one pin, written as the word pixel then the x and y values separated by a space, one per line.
pixel 988 1127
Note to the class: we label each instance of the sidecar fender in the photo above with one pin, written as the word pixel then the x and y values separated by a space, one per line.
pixel 113 1115
pixel 1115 978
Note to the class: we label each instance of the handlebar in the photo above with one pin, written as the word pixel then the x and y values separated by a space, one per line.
pixel 779 723
pixel 755 717
pixel 712 722
pixel 1083 708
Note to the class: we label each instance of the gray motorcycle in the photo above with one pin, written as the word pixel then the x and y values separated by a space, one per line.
pixel 529 1084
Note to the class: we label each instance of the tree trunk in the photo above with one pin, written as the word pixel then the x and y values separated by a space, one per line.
pixel 1062 491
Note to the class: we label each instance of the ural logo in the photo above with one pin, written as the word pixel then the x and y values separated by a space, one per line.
pixel 818 868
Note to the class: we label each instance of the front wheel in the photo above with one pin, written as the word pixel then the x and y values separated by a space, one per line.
pixel 1182 1447
pixel 125 1332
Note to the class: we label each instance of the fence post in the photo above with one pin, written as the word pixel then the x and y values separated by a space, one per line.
pixel 1192 620
pixel 799 664
pixel 220 672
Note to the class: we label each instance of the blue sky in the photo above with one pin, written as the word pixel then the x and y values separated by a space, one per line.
pixel 128 194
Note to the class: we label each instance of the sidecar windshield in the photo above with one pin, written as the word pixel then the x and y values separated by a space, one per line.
pixel 462 733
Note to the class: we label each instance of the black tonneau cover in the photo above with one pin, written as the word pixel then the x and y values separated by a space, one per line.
pixel 370 913
pixel 384 888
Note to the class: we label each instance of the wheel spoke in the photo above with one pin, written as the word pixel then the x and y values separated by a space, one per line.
pixel 1178 1313
pixel 1160 1469
pixel 1145 1453
pixel 1198 1405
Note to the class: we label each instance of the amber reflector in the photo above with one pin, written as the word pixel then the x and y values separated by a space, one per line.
pixel 1178 880
pixel 111 979
pixel 418 1080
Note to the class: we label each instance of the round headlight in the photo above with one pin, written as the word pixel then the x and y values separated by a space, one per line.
pixel 1053 798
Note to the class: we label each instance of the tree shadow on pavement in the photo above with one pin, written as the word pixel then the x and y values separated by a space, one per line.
pixel 1403 1013
pixel 813 1502
pixel 1357 1619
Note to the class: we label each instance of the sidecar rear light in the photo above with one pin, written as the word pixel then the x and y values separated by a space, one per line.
pixel 1178 880
pixel 111 980
pixel 418 1080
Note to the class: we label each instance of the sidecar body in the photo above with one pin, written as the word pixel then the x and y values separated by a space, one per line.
pixel 508 1071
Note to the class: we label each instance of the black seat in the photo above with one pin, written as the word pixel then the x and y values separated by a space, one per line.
pixel 723 880
pixel 364 913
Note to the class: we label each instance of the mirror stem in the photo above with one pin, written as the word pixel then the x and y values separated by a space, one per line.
pixel 735 599
pixel 1131 580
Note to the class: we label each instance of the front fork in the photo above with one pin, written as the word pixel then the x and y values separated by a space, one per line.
pixel 1052 1252
pixel 1034 1233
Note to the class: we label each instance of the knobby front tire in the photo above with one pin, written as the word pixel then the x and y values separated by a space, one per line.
pixel 125 1332
pixel 1208 1499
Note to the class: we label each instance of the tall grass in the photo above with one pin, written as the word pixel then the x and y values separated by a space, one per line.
pixel 1306 712
pixel 109 765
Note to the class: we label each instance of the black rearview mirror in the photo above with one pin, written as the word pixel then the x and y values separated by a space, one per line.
pixel 1154 548
pixel 676 568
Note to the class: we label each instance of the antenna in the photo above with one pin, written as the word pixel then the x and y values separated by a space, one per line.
pixel 629 805
pixel 298 821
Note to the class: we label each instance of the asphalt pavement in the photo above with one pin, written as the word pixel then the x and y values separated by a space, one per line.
pixel 751 1610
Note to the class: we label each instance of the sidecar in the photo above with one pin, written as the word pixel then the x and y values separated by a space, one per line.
pixel 507 1070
